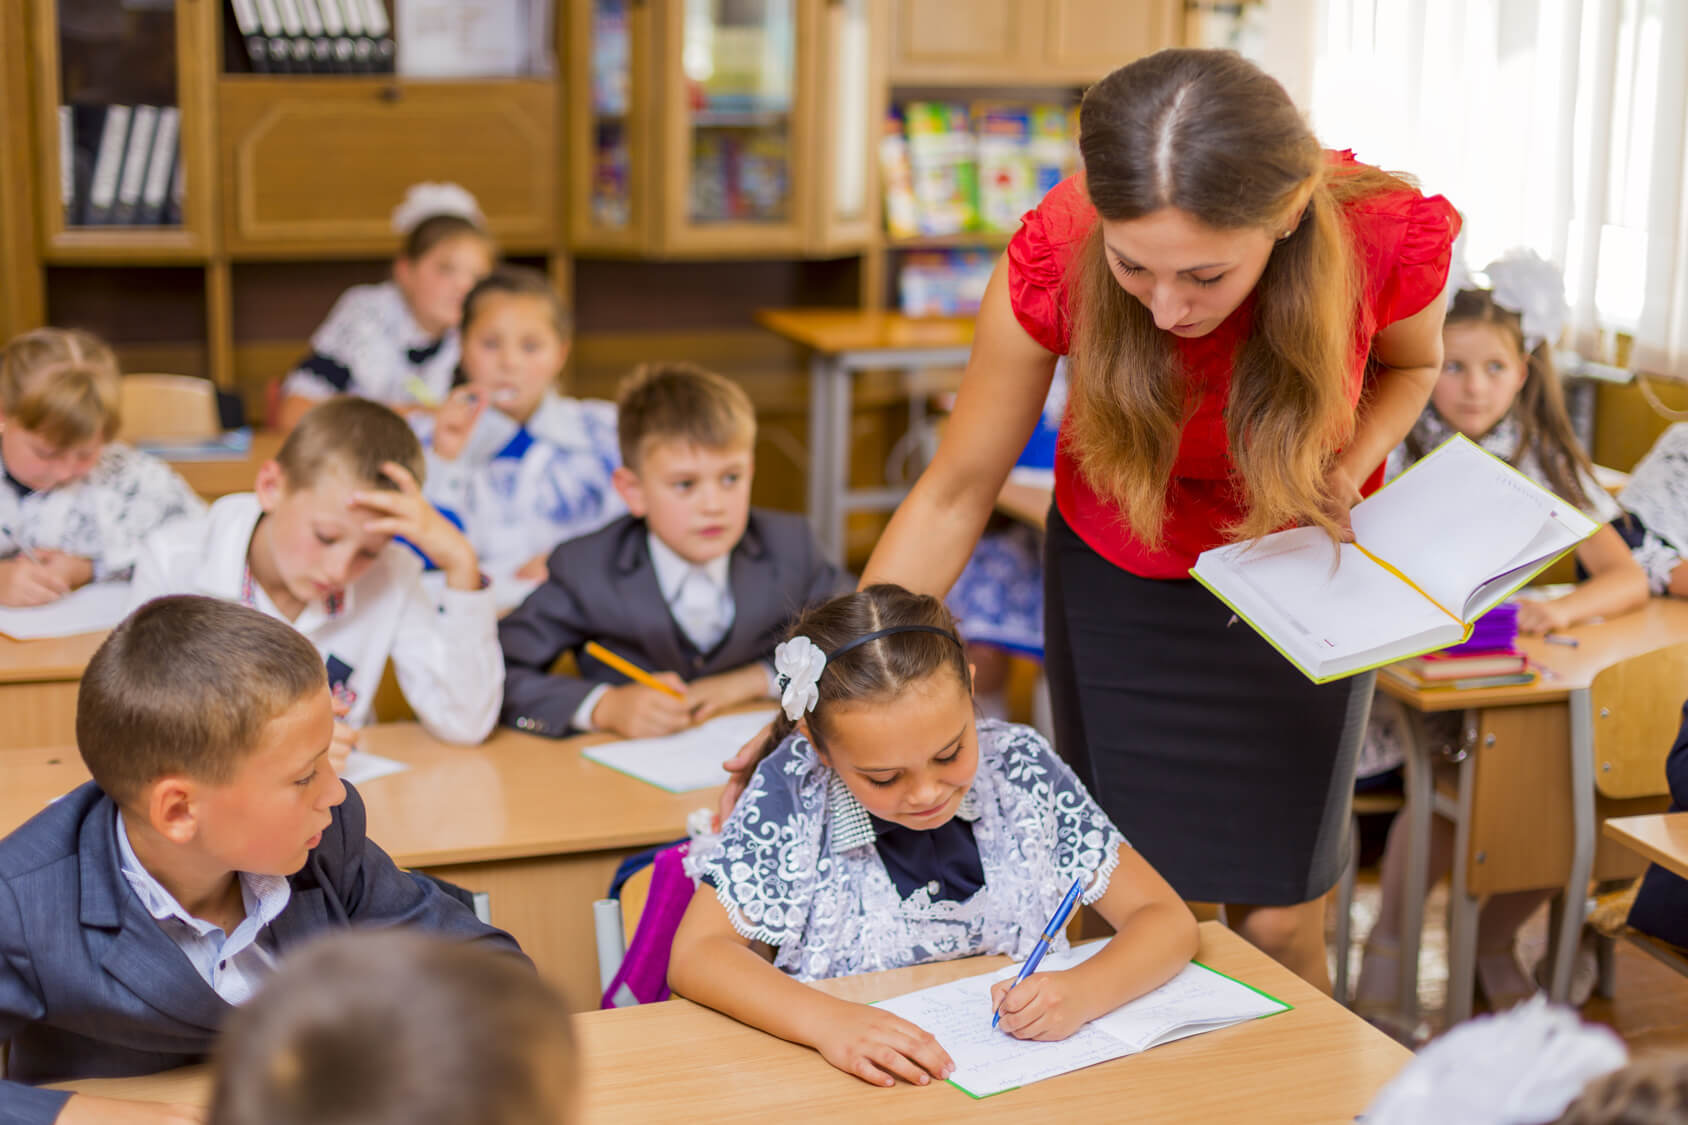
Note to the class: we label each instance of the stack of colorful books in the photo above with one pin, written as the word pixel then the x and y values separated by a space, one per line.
pixel 1489 658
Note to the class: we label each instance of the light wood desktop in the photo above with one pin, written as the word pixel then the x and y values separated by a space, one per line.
pixel 529 820
pixel 1661 838
pixel 677 1062
pixel 1511 799
pixel 38 681
pixel 215 479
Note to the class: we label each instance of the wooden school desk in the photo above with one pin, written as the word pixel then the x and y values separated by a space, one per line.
pixel 38 682
pixel 214 479
pixel 677 1062
pixel 1660 838
pixel 528 820
pixel 1513 799
pixel 842 342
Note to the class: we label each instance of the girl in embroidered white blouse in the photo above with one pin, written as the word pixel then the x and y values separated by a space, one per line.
pixel 885 826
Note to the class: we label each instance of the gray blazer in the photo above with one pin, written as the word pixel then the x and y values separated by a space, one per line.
pixel 602 587
pixel 92 987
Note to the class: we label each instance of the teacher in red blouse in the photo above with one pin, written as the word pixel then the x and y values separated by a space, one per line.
pixel 1251 324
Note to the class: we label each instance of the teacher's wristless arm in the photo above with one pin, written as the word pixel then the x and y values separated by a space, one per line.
pixel 935 530
pixel 1409 357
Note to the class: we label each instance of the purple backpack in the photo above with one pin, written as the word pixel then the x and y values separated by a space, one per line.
pixel 643 976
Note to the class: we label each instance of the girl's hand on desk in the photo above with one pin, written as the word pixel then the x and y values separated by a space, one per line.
pixel 73 570
pixel 454 421
pixel 636 711
pixel 1538 616
pixel 1046 1006
pixel 26 583
pixel 879 1048
pixel 86 1109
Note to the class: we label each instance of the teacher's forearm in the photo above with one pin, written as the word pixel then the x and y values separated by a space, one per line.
pixel 932 534
pixel 1398 397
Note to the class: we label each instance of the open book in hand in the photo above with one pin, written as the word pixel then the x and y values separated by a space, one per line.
pixel 1435 549
pixel 989 1061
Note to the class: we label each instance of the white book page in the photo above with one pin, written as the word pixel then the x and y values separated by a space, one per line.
pixel 1326 619
pixel 989 1061
pixel 363 767
pixel 686 761
pixel 99 605
pixel 1460 517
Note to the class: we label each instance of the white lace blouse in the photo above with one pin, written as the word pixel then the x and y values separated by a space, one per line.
pixel 1658 493
pixel 796 867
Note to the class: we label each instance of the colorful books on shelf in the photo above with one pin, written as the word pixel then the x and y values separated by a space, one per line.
pixel 1438 547
pixel 944 282
pixel 117 164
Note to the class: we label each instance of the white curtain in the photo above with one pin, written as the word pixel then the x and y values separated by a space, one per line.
pixel 1560 125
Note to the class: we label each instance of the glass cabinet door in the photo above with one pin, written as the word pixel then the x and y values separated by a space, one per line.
pixel 848 96
pixel 735 179
pixel 608 47
pixel 117 166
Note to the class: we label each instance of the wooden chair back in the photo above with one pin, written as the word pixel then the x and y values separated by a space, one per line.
pixel 634 892
pixel 1636 708
pixel 168 408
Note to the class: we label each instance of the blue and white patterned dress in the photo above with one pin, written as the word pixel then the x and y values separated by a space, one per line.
pixel 796 866
pixel 519 490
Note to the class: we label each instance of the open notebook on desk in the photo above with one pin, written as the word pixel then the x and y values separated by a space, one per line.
pixel 685 761
pixel 1438 547
pixel 989 1061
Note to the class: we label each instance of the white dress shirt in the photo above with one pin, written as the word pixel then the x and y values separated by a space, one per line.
pixel 444 645
pixel 234 965
pixel 700 600
pixel 371 346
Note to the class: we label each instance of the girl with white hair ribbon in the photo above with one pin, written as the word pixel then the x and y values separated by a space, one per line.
pixel 396 342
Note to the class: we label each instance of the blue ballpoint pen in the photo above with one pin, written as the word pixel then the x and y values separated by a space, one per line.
pixel 1060 919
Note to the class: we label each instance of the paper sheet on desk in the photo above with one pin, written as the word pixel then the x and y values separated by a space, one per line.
pixel 362 767
pixel 689 760
pixel 990 1061
pixel 97 606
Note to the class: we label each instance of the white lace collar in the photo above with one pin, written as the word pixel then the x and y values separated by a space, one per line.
pixel 851 827
pixel 1431 430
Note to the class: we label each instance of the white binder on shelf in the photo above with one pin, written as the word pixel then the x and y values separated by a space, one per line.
pixel 156 190
pixel 141 128
pixel 322 51
pixel 67 161
pixel 341 43
pixel 275 32
pixel 102 191
pixel 252 34
pixel 375 25
pixel 298 46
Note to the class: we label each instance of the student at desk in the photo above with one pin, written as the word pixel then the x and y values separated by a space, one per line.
pixel 138 910
pixel 694 581
pixel 884 827
pixel 1498 388
pixel 74 504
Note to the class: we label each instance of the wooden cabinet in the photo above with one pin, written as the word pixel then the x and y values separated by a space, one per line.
pixel 1005 42
pixel 314 168
pixel 722 128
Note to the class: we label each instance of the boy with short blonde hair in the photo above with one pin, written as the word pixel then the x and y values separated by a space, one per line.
pixel 138 910
pixel 398 1029
pixel 314 545
pixel 694 583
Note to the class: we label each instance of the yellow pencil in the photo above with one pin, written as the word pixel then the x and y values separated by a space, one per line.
pixel 629 669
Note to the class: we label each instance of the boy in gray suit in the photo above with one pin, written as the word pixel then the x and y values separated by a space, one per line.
pixel 694 584
pixel 138 910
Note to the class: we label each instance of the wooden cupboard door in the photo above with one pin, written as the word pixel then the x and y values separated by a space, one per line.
pixel 316 168
pixel 609 107
pixel 1086 39
pixel 949 40
pixel 846 68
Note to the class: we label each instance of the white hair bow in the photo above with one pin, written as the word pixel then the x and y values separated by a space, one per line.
pixel 799 664
pixel 1522 282
pixel 424 201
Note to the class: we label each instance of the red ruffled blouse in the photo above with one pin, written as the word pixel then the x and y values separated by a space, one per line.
pixel 1404 242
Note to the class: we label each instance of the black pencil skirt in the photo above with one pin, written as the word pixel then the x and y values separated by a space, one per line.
pixel 1229 770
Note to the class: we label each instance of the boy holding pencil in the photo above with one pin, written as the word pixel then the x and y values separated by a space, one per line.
pixel 673 611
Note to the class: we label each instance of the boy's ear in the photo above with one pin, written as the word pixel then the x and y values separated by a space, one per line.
pixel 171 808
pixel 271 485
pixel 972 676
pixel 630 489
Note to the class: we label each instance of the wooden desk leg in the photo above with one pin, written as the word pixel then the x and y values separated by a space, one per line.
pixel 1420 793
pixel 1574 897
pixel 1463 907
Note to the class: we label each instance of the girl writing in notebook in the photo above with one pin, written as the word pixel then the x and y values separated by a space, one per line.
pixel 74 504
pixel 396 342
pixel 885 826
pixel 523 466
pixel 1498 388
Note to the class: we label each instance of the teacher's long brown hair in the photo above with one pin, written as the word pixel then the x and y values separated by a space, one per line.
pixel 1211 134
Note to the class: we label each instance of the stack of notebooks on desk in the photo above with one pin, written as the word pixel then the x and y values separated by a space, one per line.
pixel 120 165
pixel 1489 659
pixel 315 36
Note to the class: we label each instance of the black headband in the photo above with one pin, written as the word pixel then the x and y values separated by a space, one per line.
pixel 877 633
